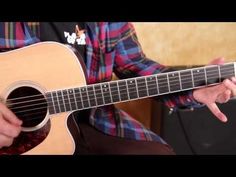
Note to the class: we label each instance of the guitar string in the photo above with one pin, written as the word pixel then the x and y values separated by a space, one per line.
pixel 159 82
pixel 155 75
pixel 66 110
pixel 36 117
pixel 86 107
pixel 60 98
pixel 89 99
pixel 130 91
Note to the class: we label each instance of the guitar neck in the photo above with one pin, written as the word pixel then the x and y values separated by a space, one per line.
pixel 106 93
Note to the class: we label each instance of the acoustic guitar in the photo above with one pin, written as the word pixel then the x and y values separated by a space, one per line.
pixel 44 83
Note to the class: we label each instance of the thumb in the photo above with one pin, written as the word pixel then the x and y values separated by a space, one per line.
pixel 216 111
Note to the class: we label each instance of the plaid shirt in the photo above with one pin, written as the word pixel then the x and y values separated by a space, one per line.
pixel 111 47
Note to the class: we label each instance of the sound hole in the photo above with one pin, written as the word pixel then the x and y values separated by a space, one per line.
pixel 29 105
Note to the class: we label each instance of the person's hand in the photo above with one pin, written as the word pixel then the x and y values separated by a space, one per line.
pixel 10 126
pixel 216 94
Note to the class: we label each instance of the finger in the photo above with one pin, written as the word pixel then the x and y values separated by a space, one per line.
pixel 217 61
pixel 227 95
pixel 223 98
pixel 233 79
pixel 9 116
pixel 5 141
pixel 216 111
pixel 219 89
pixel 230 85
pixel 8 129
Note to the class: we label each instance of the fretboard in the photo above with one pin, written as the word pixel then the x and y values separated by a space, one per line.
pixel 106 93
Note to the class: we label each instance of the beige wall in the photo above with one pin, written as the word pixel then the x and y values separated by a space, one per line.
pixel 185 43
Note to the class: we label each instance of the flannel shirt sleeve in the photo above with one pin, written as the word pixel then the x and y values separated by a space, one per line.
pixel 130 61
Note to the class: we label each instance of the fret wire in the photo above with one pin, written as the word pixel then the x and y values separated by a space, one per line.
pixel 151 90
pixel 53 103
pixel 229 72
pixel 219 73
pixel 146 86
pixel 80 93
pixel 127 89
pixel 168 81
pixel 104 104
pixel 141 84
pixel 212 70
pixel 124 93
pixel 132 92
pixel 199 72
pixel 84 94
pixel 68 99
pixel 182 75
pixel 58 102
pixel 224 67
pixel 114 92
pixel 174 82
pixel 54 94
pixel 110 92
pixel 118 88
pixel 132 89
pixel 136 86
pixel 161 86
pixel 95 95
pixel 86 90
pixel 98 91
pixel 102 94
pixel 91 95
pixel 209 77
pixel 222 72
pixel 64 96
pixel 180 82
pixel 63 100
pixel 73 92
pixel 186 82
pixel 205 76
pixel 71 97
pixel 192 77
pixel 78 98
pixel 158 91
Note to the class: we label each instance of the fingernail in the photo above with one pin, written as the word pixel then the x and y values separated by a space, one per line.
pixel 224 119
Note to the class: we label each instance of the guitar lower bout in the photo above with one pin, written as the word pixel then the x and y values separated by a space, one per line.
pixel 28 75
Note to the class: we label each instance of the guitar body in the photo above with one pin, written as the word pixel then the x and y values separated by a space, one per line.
pixel 45 66
pixel 44 83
